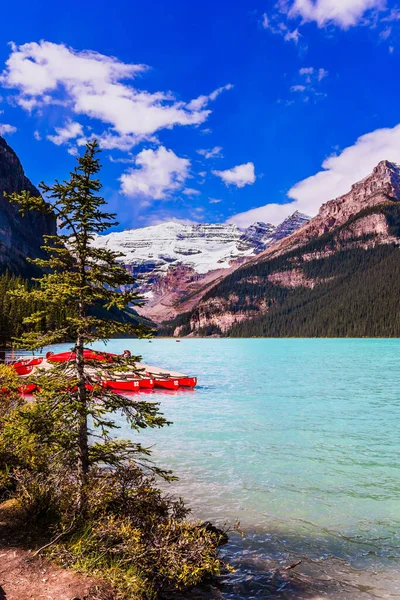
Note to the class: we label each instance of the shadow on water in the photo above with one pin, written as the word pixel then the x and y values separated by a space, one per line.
pixel 337 568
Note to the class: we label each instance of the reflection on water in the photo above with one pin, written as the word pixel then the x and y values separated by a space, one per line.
pixel 299 440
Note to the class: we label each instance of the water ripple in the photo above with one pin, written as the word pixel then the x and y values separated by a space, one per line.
pixel 299 440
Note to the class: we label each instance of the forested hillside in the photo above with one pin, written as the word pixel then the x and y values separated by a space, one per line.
pixel 13 311
pixel 338 285
pixel 362 301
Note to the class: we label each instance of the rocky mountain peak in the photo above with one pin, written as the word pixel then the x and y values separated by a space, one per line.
pixel 299 215
pixel 290 224
pixel 259 234
pixel 380 186
pixel 385 178
pixel 386 166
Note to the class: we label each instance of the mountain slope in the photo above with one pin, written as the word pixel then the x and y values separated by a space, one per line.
pixel 20 237
pixel 338 275
pixel 175 264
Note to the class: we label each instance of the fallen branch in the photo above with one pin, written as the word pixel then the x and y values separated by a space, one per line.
pixel 54 541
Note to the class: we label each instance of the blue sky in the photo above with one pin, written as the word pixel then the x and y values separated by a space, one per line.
pixel 206 112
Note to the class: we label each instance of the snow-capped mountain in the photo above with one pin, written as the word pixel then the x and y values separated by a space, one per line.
pixel 203 247
pixel 172 260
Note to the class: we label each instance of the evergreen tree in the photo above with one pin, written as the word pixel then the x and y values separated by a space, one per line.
pixel 77 277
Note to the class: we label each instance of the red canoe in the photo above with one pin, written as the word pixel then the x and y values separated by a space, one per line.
pixel 165 378
pixel 87 354
pixel 23 369
pixel 30 362
pixel 187 381
pixel 167 384
pixel 130 385
pixel 146 384
pixel 23 389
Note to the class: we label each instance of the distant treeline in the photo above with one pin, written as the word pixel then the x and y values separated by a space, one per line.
pixel 356 292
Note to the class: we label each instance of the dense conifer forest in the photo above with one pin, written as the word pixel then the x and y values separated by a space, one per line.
pixel 362 301
pixel 13 311
pixel 356 290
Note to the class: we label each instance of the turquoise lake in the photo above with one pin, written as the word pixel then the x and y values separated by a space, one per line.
pixel 300 441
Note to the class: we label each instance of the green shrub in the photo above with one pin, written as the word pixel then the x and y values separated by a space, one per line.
pixel 132 535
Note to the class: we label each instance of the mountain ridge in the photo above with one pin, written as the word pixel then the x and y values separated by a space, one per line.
pixel 350 235
pixel 176 263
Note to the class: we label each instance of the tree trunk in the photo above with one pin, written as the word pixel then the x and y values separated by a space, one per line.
pixel 83 443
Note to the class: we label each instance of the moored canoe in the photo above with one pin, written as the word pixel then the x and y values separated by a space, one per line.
pixel 187 381
pixel 23 369
pixel 130 385
pixel 146 383
pixel 164 374
pixel 31 362
pixel 87 354
pixel 167 383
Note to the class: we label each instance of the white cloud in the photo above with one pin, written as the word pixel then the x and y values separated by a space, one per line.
pixel 191 192
pixel 271 213
pixel 37 136
pixel 343 13
pixel 292 36
pixel 239 176
pixel 287 14
pixel 218 91
pixel 275 25
pixel 202 101
pixel 157 174
pixel 65 134
pixel 386 33
pixel 214 200
pixel 265 21
pixel 394 15
pixel 342 170
pixel 338 174
pixel 5 129
pixel 73 151
pixel 306 71
pixel 213 153
pixel 322 73
pixel 98 86
pixel 308 80
pixel 124 142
